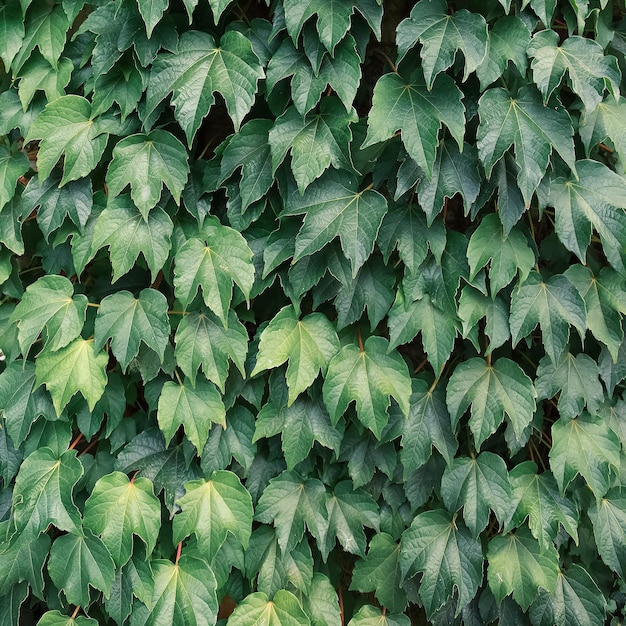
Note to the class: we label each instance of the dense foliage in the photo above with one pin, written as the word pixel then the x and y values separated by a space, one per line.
pixel 312 312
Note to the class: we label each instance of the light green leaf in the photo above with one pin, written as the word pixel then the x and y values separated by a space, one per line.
pixel 408 105
pixel 333 206
pixel 118 508
pixel 493 391
pixel 197 70
pixel 283 610
pixel 193 406
pixel 43 493
pixel 586 446
pixel 37 74
pixel 519 566
pixel 12 166
pixel 80 561
pixel 73 368
pixel 11 32
pixel 122 84
pixel 524 121
pixel 49 303
pixel 608 516
pixel 369 616
pixel 370 376
pixel 222 257
pixel 127 321
pixel 554 304
pixel 474 306
pixel 449 558
pixel 146 162
pixel 589 70
pixel 56 618
pixel 441 36
pixel 606 122
pixel 321 603
pixel 212 508
pixel 308 344
pixel 23 559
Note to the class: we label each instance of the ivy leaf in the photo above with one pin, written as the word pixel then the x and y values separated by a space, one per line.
pixel 197 70
pixel 43 492
pixel 146 162
pixel 73 368
pixel 370 616
pixel 333 207
pixel 379 572
pixel 315 141
pixel 118 508
pixel 448 557
pixel 554 305
pixel 441 35
pixel 212 508
pixel 24 560
pixel 478 485
pixel 202 342
pixel 49 303
pixel 577 378
pixel 283 610
pixel 78 561
pixel 370 376
pixel 597 197
pixel 11 32
pixel 519 566
pixel 152 13
pixel 536 497
pixel 38 75
pixel 214 263
pixel 493 391
pixel 508 253
pixel 606 122
pixel 321 603
pixel 586 446
pixel 290 502
pixel 127 321
pixel 523 120
pixel 474 306
pixel 56 618
pixel 577 598
pixel 122 84
pixel 418 112
pixel 184 593
pixel 608 516
pixel 12 166
pixel 67 129
pixel 194 407
pixel 589 70
pixel 308 344
pixel 123 229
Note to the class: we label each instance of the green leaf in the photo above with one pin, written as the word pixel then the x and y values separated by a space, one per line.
pixel 493 391
pixel 67 129
pixel 589 70
pixel 474 306
pixel 577 599
pixel 370 376
pixel 202 342
pixel 418 112
pixel 606 122
pixel 193 406
pixel 24 560
pixel 49 303
pixel 554 304
pixel 122 84
pixel 369 616
pixel 536 497
pixel 575 378
pixel 379 572
pixel 519 566
pixel 127 321
pixel 146 162
pixel 477 484
pixel 12 166
pixel 315 141
pixel 523 120
pixel 78 561
pixel 184 593
pixel 56 618
pixel 321 603
pixel 222 257
pixel 586 446
pixel 509 253
pixel 43 493
pixel 441 35
pixel 11 32
pixel 200 68
pixel 212 508
pixel 308 344
pixel 76 367
pixel 290 502
pixel 38 75
pixel 123 229
pixel 283 610
pixel 151 12
pixel 597 197
pixel 608 516
pixel 118 508
pixel 448 557
pixel 333 206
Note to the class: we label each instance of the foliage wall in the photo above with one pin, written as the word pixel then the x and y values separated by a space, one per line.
pixel 312 312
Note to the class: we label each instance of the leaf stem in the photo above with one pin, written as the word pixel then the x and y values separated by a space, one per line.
pixel 76 441
pixel 341 609
pixel 358 334
pixel 179 549
pixel 75 613
pixel 95 305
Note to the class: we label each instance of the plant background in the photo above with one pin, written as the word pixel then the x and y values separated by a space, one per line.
pixel 312 312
